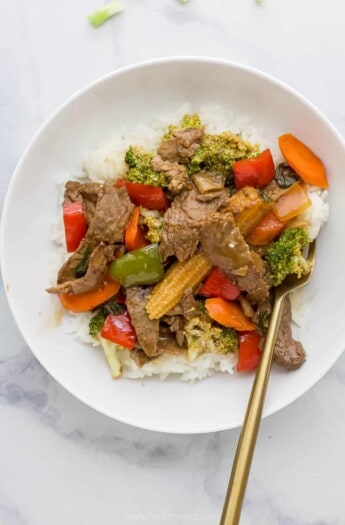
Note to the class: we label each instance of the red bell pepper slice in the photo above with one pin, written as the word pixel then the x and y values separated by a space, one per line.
pixel 218 284
pixel 134 236
pixel 75 225
pixel 257 172
pixel 249 353
pixel 150 197
pixel 119 329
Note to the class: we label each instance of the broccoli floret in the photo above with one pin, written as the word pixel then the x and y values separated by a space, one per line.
pixel 219 152
pixel 204 336
pixel 285 256
pixel 140 169
pixel 200 309
pixel 226 341
pixel 192 121
pixel 188 121
pixel 97 321
pixel 154 223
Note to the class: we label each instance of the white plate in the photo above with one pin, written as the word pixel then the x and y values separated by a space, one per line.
pixel 138 94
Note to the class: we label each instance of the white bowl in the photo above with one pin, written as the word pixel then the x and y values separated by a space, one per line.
pixel 138 94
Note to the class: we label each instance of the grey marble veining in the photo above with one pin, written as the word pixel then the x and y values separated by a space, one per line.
pixel 60 461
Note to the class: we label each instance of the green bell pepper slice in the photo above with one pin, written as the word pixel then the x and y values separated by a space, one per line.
pixel 143 266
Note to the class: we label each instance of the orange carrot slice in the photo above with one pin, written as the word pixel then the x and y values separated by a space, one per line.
pixel 84 302
pixel 134 237
pixel 228 314
pixel 305 163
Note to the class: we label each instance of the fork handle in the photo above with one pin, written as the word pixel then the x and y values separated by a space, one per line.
pixel 246 444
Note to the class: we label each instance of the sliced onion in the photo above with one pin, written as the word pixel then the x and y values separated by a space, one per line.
pixel 208 181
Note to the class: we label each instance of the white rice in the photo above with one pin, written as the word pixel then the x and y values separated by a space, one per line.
pixel 179 366
pixel 106 163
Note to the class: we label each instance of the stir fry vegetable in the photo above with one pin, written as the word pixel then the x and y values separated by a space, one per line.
pixel 110 351
pixel 180 277
pixel 207 181
pixel 154 223
pixel 306 164
pixel 219 152
pixel 119 330
pixel 266 230
pixel 188 121
pixel 285 176
pixel 83 302
pixel 143 266
pixel 217 284
pixel 140 169
pixel 257 172
pixel 150 197
pixel 292 203
pixel 248 208
pixel 75 225
pixel 286 255
pixel 203 336
pixel 135 236
pixel 111 307
pixel 249 353
pixel 228 314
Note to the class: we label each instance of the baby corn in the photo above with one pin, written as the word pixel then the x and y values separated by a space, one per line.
pixel 181 276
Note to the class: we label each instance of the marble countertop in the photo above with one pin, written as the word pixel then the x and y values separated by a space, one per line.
pixel 60 461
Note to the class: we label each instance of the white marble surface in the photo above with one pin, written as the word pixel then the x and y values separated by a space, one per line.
pixel 61 462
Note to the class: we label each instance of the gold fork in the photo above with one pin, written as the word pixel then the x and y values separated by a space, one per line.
pixel 246 444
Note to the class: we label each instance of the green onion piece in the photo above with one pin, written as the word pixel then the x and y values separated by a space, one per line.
pixel 102 15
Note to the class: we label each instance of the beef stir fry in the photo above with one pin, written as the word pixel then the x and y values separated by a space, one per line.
pixel 181 255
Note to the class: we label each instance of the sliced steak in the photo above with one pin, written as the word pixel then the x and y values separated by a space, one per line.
pixel 176 325
pixel 182 145
pixel 223 243
pixel 94 275
pixel 88 193
pixel 207 197
pixel 108 225
pixel 183 220
pixel 139 357
pixel 79 258
pixel 146 329
pixel 174 172
pixel 226 248
pixel 167 342
pixel 112 214
pixel 255 281
pixel 186 307
pixel 288 352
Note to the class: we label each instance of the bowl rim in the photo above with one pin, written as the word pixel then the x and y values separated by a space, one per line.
pixel 41 129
